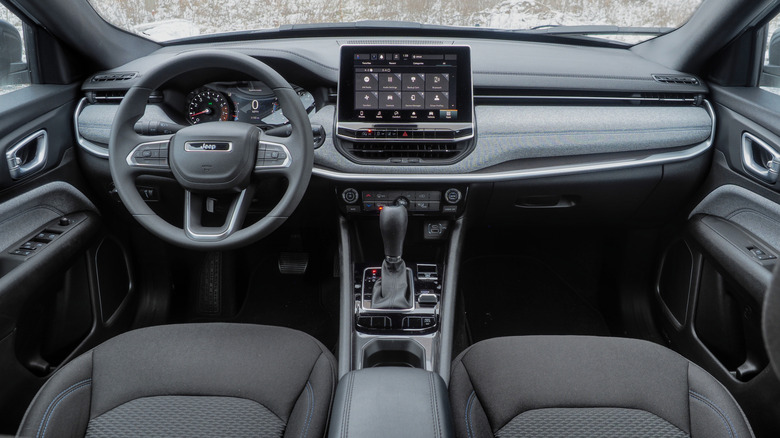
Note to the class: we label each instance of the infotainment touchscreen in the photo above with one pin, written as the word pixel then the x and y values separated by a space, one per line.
pixel 405 84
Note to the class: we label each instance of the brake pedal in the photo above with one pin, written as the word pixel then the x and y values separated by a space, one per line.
pixel 293 263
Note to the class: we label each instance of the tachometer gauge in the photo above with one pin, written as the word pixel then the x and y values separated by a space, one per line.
pixel 206 105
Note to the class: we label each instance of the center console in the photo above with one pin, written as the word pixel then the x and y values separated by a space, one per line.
pixel 405 105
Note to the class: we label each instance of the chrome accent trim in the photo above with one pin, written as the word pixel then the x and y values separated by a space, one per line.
pixel 287 161
pixel 16 168
pixel 203 237
pixel 188 148
pixel 85 144
pixel 606 98
pixel 763 171
pixel 131 159
pixel 657 158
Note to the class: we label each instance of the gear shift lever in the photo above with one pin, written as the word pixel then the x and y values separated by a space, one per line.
pixel 392 291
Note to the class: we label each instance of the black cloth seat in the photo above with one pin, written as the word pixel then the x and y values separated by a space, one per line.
pixel 190 380
pixel 583 386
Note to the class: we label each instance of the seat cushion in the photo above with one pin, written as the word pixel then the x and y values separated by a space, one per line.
pixel 546 386
pixel 191 380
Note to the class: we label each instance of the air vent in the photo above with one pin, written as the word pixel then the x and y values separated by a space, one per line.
pixel 396 42
pixel 676 79
pixel 406 153
pixel 116 96
pixel 114 77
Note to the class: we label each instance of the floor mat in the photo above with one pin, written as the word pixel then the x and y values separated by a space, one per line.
pixel 294 301
pixel 516 295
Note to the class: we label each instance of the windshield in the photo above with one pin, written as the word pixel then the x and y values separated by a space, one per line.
pixel 164 20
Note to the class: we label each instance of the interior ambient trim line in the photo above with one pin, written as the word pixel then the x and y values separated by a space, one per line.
pixel 85 144
pixel 609 98
pixel 657 158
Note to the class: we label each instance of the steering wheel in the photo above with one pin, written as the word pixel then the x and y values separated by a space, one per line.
pixel 214 158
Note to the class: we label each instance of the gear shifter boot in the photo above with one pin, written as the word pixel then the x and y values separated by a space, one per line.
pixel 392 290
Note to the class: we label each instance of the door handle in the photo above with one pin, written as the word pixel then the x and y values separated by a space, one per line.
pixel 760 160
pixel 28 156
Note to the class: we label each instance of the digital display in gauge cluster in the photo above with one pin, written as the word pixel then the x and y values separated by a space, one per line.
pixel 251 102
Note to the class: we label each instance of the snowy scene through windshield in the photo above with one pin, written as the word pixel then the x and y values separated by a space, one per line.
pixel 164 20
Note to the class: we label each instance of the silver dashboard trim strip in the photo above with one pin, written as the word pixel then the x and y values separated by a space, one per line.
pixel 85 144
pixel 657 158
pixel 605 98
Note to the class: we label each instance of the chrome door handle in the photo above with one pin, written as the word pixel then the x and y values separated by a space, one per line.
pixel 763 164
pixel 28 156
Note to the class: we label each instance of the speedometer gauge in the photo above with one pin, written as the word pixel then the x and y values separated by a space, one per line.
pixel 206 105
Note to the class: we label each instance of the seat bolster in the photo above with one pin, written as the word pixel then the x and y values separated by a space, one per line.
pixel 714 412
pixel 468 415
pixel 309 417
pixel 61 407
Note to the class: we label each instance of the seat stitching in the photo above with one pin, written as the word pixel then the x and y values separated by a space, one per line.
pixel 436 404
pixel 696 396
pixel 468 413
pixel 51 414
pixel 305 432
pixel 431 398
pixel 345 420
pixel 46 412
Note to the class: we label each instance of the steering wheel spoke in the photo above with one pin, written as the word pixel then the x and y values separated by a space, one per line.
pixel 195 204
pixel 274 156
pixel 150 156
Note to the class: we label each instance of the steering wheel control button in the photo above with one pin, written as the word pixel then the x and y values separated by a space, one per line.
pixel 152 154
pixel 271 155
pixel 452 196
pixel 350 196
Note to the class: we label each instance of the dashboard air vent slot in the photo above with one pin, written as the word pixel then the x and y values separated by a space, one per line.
pixel 395 42
pixel 114 77
pixel 676 79
pixel 389 151
pixel 116 96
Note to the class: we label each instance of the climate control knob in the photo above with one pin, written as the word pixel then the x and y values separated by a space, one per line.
pixel 402 202
pixel 350 196
pixel 452 196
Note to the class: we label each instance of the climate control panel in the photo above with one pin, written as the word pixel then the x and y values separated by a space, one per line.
pixel 446 201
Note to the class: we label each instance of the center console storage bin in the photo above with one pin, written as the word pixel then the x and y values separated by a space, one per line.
pixel 391 402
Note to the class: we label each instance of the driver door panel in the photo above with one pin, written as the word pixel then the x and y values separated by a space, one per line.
pixel 65 284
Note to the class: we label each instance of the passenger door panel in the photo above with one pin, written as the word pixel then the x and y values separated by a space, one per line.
pixel 712 278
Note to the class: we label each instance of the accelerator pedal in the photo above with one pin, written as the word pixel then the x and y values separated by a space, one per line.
pixel 293 263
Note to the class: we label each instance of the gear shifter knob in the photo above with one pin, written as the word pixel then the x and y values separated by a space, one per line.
pixel 392 224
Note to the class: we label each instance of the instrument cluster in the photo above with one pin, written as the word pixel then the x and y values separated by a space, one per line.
pixel 250 102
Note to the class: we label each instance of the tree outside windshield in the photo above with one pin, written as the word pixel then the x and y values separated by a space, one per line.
pixel 164 20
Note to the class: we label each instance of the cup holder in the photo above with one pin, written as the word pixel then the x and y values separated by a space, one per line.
pixel 394 353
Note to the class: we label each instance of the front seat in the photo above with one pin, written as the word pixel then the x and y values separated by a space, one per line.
pixel 584 386
pixel 190 380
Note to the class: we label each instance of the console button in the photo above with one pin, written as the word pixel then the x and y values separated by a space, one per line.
pixel 380 133
pixel 350 196
pixel 366 133
pixel 429 133
pixel 392 133
pixel 452 196
pixel 418 133
pixel 428 321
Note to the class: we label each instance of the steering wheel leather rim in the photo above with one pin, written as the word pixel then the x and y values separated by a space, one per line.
pixel 124 138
